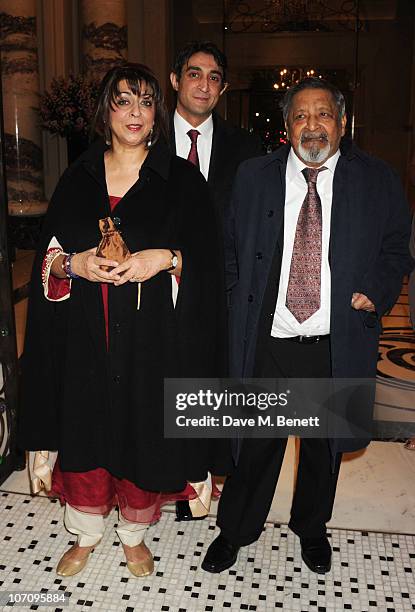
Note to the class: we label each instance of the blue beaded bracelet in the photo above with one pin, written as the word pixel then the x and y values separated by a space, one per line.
pixel 67 268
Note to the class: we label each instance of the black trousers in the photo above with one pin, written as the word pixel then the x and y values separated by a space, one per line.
pixel 247 494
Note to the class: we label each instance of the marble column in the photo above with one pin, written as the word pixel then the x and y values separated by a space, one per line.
pixel 104 35
pixel 150 38
pixel 20 80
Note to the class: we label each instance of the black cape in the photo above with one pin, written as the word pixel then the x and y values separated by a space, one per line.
pixel 102 408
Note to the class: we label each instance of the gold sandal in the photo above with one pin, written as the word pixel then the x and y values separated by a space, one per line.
pixel 141 568
pixel 69 567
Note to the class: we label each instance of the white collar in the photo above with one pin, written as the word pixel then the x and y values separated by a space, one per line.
pixel 295 165
pixel 182 126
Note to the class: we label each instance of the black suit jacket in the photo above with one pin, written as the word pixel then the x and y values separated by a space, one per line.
pixel 230 147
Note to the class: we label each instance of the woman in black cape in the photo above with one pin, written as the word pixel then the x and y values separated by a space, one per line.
pixel 102 336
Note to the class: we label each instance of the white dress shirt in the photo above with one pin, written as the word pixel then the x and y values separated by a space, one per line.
pixel 204 140
pixel 285 325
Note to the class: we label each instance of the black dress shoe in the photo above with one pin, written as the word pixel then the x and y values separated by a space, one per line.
pixel 220 555
pixel 183 512
pixel 316 554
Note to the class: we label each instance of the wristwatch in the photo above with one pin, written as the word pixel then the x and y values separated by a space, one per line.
pixel 174 261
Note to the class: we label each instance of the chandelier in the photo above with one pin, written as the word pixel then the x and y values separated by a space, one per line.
pixel 286 77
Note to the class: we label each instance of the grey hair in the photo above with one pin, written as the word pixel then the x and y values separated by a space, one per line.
pixel 312 83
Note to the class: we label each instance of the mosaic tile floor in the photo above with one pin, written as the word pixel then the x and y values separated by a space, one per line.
pixel 371 571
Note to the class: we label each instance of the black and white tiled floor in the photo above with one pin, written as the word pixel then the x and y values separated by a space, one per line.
pixel 371 571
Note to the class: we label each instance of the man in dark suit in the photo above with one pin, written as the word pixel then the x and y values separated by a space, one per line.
pixel 215 146
pixel 199 80
pixel 316 248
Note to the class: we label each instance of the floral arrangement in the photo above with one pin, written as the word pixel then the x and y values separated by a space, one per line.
pixel 68 107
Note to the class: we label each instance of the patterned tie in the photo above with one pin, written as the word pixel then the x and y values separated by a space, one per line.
pixel 304 283
pixel 193 156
